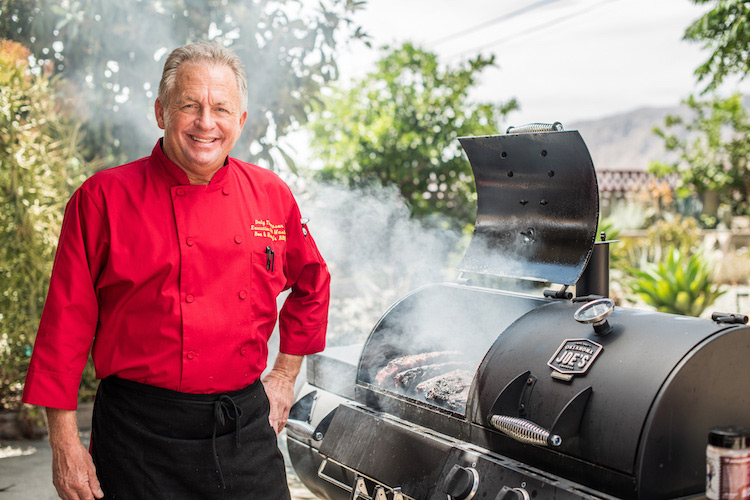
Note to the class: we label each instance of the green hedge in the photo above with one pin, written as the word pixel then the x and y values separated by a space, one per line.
pixel 40 166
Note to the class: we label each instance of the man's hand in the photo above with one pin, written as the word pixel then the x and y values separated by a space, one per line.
pixel 279 386
pixel 73 471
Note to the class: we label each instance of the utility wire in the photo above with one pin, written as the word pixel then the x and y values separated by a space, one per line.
pixel 533 29
pixel 496 20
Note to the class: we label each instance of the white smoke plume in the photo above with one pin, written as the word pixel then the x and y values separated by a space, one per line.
pixel 376 253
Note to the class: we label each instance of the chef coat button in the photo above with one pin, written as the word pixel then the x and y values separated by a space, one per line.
pixel 190 241
pixel 192 355
pixel 225 191
pixel 238 239
pixel 180 192
pixel 242 294
pixel 189 299
pixel 243 350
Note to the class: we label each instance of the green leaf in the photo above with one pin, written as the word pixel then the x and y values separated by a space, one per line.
pixel 680 284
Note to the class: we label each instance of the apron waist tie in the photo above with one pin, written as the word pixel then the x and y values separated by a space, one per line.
pixel 225 408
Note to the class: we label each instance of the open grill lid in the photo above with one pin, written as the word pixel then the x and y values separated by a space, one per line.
pixel 537 206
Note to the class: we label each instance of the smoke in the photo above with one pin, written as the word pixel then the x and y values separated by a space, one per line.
pixel 393 282
pixel 111 55
pixel 116 97
pixel 376 253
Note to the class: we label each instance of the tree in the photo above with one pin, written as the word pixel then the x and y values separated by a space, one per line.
pixel 111 55
pixel 398 126
pixel 39 167
pixel 725 30
pixel 713 151
pixel 712 148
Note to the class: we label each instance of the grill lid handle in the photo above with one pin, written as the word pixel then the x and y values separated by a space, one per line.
pixel 531 128
pixel 524 431
pixel 566 425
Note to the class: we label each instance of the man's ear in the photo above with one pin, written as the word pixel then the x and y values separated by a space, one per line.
pixel 159 112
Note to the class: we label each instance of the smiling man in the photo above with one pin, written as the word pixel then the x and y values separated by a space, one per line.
pixel 171 266
pixel 202 117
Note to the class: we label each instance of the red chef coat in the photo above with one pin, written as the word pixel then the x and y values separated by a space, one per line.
pixel 176 284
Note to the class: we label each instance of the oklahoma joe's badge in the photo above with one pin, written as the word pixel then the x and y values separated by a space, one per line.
pixel 574 357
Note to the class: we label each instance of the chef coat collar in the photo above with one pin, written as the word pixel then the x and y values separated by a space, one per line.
pixel 179 175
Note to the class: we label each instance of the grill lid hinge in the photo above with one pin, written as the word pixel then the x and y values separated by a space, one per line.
pixel 562 293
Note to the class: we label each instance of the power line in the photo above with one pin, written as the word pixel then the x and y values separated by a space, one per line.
pixel 496 20
pixel 533 29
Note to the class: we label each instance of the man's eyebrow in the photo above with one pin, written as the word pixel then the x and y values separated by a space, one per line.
pixel 186 98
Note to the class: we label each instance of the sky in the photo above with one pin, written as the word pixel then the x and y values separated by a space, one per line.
pixel 563 60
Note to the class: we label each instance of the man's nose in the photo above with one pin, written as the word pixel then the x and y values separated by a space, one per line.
pixel 205 118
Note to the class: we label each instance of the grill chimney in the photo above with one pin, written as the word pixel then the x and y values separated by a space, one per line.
pixel 595 278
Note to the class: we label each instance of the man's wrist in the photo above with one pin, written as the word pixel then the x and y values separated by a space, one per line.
pixel 63 428
pixel 287 367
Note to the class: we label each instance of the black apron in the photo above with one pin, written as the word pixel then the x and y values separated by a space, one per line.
pixel 150 443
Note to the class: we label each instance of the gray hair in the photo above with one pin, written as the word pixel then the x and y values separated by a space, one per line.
pixel 201 52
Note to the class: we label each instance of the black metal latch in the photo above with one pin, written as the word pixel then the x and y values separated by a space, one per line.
pixel 729 318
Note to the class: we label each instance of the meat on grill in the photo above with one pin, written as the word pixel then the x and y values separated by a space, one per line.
pixel 408 379
pixel 451 388
pixel 386 376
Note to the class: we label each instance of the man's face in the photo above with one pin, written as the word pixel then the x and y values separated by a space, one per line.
pixel 203 119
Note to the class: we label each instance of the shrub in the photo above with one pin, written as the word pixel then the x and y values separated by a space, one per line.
pixel 674 231
pixel 39 167
pixel 680 284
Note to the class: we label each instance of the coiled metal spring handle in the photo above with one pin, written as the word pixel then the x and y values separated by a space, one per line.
pixel 532 128
pixel 524 431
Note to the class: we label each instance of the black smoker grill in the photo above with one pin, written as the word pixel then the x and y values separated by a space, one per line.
pixel 465 392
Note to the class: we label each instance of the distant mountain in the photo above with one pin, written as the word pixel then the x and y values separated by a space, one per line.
pixel 626 141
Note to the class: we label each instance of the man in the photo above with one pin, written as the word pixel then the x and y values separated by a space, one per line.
pixel 171 266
